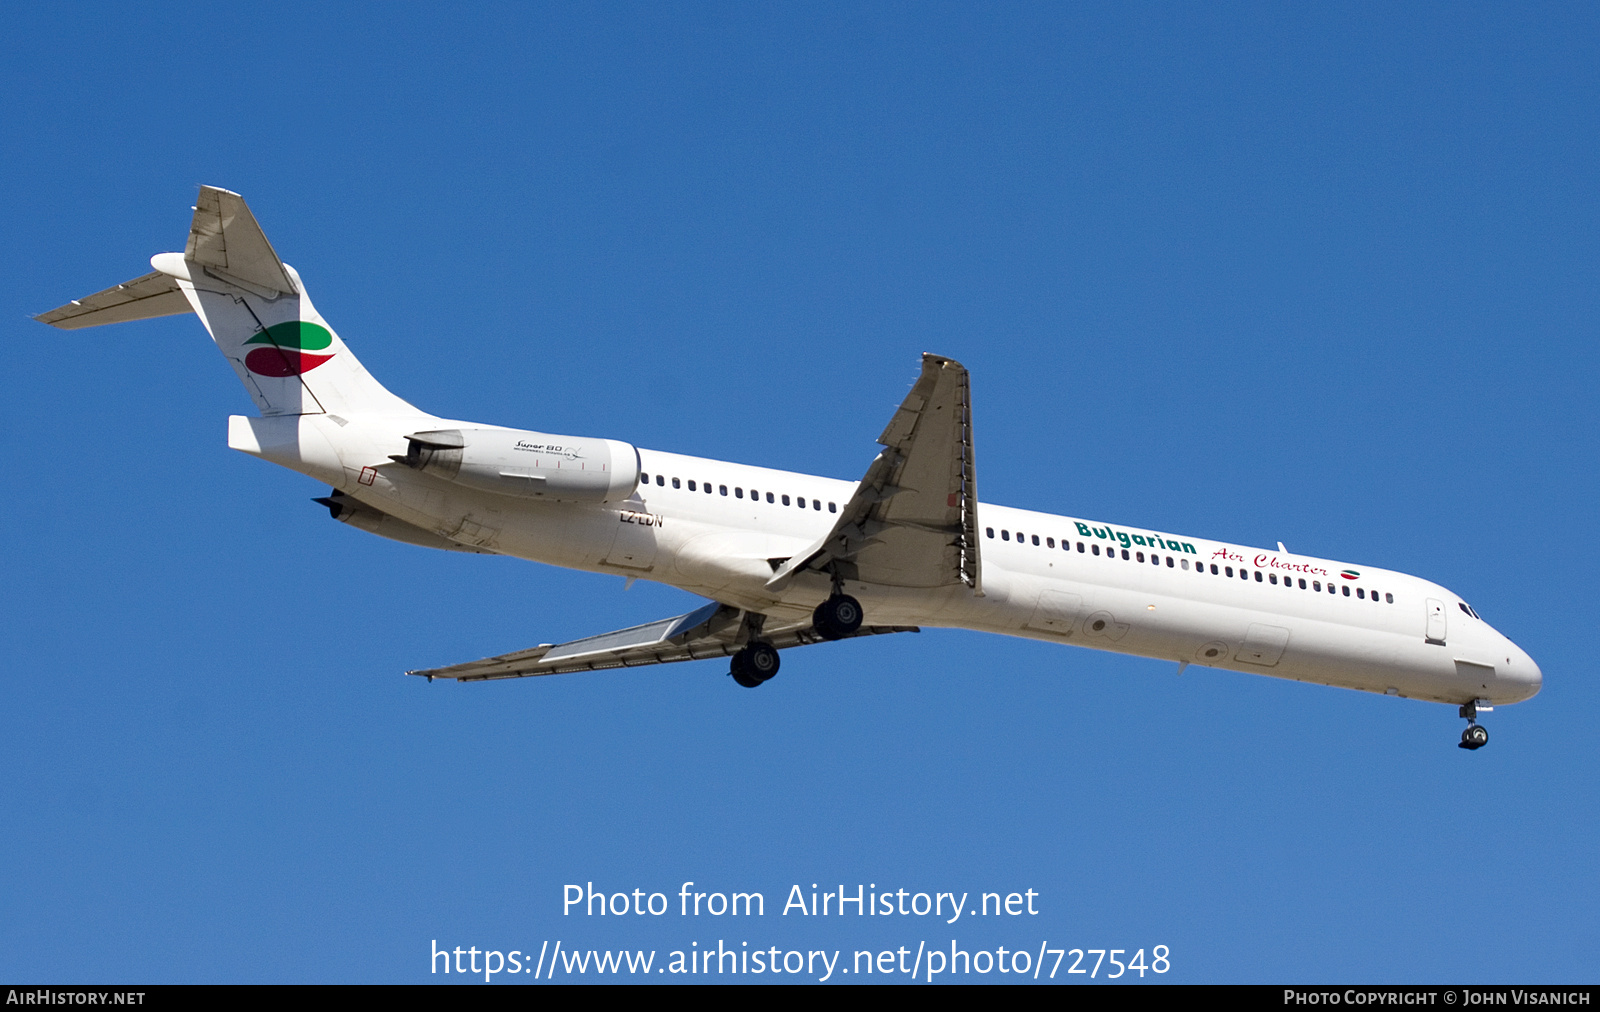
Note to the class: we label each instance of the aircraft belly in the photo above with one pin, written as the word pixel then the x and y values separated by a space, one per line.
pixel 1150 624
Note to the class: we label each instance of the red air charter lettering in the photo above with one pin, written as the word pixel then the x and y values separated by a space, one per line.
pixel 1273 562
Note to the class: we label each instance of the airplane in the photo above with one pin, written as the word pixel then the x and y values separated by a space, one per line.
pixel 785 559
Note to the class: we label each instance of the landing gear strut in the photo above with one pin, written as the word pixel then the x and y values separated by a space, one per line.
pixel 755 664
pixel 837 617
pixel 1476 736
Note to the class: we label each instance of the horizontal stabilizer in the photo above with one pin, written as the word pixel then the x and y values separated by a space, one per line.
pixel 145 298
pixel 224 235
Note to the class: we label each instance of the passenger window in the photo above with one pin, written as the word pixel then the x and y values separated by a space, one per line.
pixel 1169 563
pixel 801 502
pixel 1230 570
pixel 1036 539
pixel 989 531
pixel 1316 585
pixel 1346 589
pixel 738 492
pixel 1124 555
pixel 1272 577
pixel 1182 562
pixel 1258 575
pixel 1302 584
pixel 1155 560
pixel 769 497
pixel 1214 570
pixel 1361 593
pixel 723 489
pixel 660 480
pixel 1080 547
pixel 833 508
pixel 675 483
pixel 708 488
pixel 1049 542
pixel 1388 598
pixel 644 478
pixel 691 485
pixel 786 500
pixel 1095 549
pixel 1141 556
pixel 816 504
pixel 1005 535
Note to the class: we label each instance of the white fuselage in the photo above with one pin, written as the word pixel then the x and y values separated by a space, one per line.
pixel 693 524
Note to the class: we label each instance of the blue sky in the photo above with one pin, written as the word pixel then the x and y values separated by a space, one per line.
pixel 1326 276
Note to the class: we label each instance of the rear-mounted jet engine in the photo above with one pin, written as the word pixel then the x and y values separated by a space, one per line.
pixel 536 465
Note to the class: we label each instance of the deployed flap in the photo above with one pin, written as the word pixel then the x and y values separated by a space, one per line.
pixel 224 235
pixel 143 298
pixel 716 630
pixel 912 521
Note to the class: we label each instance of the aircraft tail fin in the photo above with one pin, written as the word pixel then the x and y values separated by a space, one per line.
pixel 256 309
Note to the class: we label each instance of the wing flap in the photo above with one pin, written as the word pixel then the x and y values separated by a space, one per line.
pixel 648 635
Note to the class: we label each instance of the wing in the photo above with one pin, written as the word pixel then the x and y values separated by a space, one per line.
pixel 716 630
pixel 912 521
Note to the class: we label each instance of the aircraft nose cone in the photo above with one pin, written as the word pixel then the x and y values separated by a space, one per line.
pixel 1524 673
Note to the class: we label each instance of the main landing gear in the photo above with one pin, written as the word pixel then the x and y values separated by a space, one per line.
pixel 837 617
pixel 755 664
pixel 1476 736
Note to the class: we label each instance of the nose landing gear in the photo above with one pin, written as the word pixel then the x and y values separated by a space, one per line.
pixel 1476 736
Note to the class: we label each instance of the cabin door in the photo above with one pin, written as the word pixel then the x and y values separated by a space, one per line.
pixel 1436 621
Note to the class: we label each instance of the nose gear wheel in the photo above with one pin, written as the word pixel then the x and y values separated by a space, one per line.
pixel 1476 736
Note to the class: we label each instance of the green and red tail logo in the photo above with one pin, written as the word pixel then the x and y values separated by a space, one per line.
pixel 287 349
pixel 1350 574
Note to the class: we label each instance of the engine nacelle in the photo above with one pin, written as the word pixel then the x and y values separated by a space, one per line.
pixel 535 465
pixel 374 521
